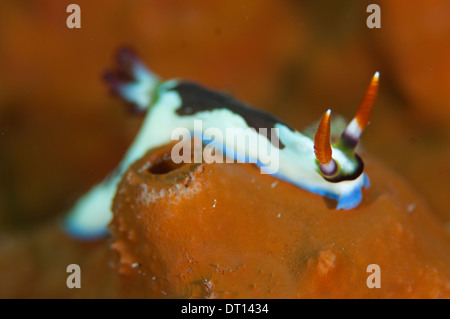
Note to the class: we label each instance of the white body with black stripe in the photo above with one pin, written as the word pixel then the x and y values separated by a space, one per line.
pixel 161 101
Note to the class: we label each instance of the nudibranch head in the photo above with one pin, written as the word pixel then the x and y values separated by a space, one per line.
pixel 338 162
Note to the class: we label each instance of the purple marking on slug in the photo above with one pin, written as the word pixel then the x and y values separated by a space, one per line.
pixel 330 169
pixel 342 177
pixel 124 75
pixel 127 60
pixel 116 85
pixel 349 140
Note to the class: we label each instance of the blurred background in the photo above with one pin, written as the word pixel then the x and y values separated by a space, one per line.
pixel 61 131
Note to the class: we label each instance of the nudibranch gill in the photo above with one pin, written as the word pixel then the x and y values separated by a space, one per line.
pixel 331 170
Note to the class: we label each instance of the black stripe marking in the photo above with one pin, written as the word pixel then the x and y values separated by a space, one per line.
pixel 196 98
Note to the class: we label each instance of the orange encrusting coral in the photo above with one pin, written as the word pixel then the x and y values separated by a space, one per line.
pixel 365 108
pixel 225 230
pixel 322 147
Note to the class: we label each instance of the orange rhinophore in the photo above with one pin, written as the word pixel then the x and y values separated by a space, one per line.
pixel 322 147
pixel 365 108
pixel 353 131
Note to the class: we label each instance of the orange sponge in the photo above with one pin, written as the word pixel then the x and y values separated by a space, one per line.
pixel 227 231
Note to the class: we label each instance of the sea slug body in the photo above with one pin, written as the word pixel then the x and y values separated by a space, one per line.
pixel 334 171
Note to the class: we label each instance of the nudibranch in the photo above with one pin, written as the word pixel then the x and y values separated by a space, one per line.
pixel 331 170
